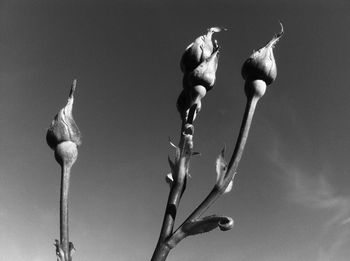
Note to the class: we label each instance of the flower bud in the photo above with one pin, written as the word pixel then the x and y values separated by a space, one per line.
pixel 64 131
pixel 205 73
pixel 199 64
pixel 202 48
pixel 261 65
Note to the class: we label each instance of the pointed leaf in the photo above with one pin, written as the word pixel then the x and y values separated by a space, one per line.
pixel 229 187
pixel 221 166
pixel 172 144
pixel 177 150
pixel 169 179
pixel 71 248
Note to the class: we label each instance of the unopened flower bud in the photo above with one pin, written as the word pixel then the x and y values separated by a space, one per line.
pixel 205 73
pixel 261 65
pixel 199 64
pixel 202 48
pixel 63 133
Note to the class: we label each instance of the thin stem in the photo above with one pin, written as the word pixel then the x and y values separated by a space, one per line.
pixel 176 191
pixel 232 166
pixel 64 231
pixel 173 202
pixel 243 134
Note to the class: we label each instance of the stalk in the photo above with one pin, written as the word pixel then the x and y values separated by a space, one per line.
pixel 64 137
pixel 177 189
pixel 216 192
pixel 64 230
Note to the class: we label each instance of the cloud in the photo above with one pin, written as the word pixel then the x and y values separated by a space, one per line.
pixel 316 193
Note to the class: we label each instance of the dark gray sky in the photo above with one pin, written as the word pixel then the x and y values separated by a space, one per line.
pixel 291 198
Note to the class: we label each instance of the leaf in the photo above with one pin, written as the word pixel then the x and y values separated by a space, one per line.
pixel 221 167
pixel 229 187
pixel 177 150
pixel 207 224
pixel 169 179
pixel 59 251
pixel 71 248
pixel 172 144
pixel 226 223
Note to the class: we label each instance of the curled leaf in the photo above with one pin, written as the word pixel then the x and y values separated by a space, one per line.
pixel 207 224
pixel 226 223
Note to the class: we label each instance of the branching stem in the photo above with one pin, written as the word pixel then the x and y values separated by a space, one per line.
pixel 169 239
pixel 176 191
pixel 216 192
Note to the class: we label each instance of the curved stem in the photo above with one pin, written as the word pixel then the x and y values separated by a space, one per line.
pixel 243 134
pixel 64 231
pixel 232 166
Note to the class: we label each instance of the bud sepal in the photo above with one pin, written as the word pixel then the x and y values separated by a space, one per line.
pixel 261 65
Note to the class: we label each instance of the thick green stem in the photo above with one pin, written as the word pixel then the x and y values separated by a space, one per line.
pixel 64 231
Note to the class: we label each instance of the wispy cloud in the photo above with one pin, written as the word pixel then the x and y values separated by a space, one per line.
pixel 315 192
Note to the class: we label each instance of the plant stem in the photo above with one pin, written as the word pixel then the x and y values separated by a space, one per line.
pixel 176 191
pixel 161 252
pixel 64 231
pixel 173 202
pixel 232 166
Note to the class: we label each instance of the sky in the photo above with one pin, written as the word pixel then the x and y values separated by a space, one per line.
pixel 290 200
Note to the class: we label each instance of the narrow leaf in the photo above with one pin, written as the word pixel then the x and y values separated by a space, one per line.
pixel 221 166
pixel 169 179
pixel 229 187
